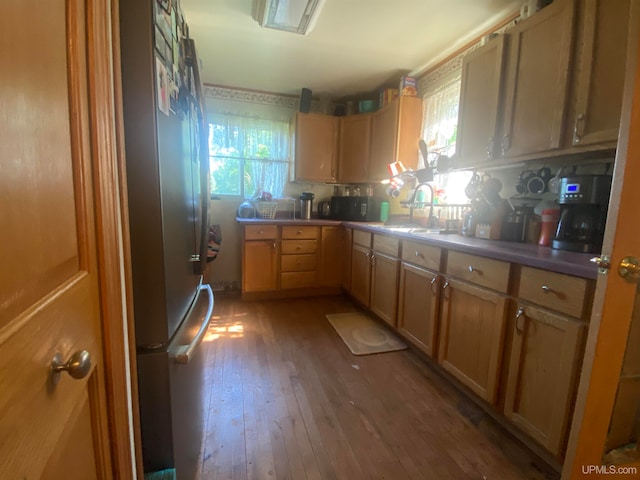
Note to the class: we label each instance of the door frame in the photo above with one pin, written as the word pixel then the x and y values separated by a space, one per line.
pixel 614 297
pixel 112 233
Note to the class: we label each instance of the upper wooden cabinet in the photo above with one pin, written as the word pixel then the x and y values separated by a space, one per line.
pixel 316 157
pixel 355 139
pixel 603 30
pixel 480 103
pixel 537 80
pixel 395 132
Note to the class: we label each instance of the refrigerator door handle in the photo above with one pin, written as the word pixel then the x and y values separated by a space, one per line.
pixel 184 353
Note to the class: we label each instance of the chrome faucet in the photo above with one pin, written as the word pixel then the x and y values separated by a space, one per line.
pixel 412 203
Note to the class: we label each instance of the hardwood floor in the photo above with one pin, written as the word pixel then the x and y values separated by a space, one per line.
pixel 286 399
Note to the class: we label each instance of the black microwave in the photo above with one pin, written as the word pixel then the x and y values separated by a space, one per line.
pixel 355 209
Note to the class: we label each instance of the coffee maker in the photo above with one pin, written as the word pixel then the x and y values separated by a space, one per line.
pixel 583 200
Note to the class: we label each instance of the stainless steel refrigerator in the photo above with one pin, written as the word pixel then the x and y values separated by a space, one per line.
pixel 167 177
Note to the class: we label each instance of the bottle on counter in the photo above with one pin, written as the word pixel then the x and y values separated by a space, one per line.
pixel 548 226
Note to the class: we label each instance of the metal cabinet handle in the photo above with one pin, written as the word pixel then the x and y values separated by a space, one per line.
pixel 578 129
pixel 490 146
pixel 194 258
pixel 78 366
pixel 419 255
pixel 299 232
pixel 473 269
pixel 519 315
pixel 274 245
pixel 547 289
pixel 434 287
pixel 506 143
pixel 260 232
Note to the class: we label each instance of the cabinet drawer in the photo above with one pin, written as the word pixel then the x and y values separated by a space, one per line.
pixel 298 263
pixel 260 232
pixel 483 271
pixel 300 232
pixel 297 280
pixel 362 238
pixel 386 244
pixel 426 256
pixel 299 246
pixel 556 291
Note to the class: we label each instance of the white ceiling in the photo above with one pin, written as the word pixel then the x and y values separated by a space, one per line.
pixel 355 47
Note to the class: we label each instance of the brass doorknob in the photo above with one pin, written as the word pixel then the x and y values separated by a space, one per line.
pixel 629 268
pixel 78 365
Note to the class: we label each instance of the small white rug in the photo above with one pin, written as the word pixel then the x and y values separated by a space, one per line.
pixel 364 335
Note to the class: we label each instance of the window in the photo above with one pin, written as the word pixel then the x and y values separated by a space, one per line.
pixel 439 131
pixel 248 154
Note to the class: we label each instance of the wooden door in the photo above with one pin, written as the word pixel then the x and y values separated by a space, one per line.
pixel 616 309
pixel 536 84
pixel 260 266
pixel 600 72
pixel 545 358
pixel 384 287
pixel 479 103
pixel 56 104
pixel 355 138
pixel 471 336
pixel 418 306
pixel 316 147
pixel 361 274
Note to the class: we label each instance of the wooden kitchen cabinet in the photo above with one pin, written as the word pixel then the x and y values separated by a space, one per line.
pixel 395 132
pixel 260 258
pixel 418 294
pixel 299 257
pixel 480 101
pixel 418 301
pixel 384 277
pixel 472 325
pixel 360 284
pixel 539 54
pixel 332 264
pixel 355 142
pixel 546 352
pixel 599 72
pixel 316 147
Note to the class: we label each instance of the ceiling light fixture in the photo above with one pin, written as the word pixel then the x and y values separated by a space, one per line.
pixel 295 16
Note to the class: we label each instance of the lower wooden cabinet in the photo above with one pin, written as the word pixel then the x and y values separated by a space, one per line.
pixel 332 264
pixel 418 307
pixel 471 336
pixel 361 274
pixel 260 266
pixel 545 359
pixel 384 287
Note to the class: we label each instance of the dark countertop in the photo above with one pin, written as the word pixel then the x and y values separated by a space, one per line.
pixel 546 258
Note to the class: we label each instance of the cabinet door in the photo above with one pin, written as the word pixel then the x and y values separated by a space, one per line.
pixel 332 264
pixel 600 71
pixel 479 103
pixel 346 258
pixel 384 287
pixel 260 266
pixel 353 159
pixel 395 132
pixel 418 306
pixel 471 336
pixel 545 359
pixel 361 274
pixel 537 81
pixel 316 147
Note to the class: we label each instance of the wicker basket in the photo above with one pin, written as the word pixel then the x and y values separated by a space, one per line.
pixel 266 209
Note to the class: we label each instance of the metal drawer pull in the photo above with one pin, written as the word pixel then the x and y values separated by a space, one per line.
pixel 299 232
pixel 78 366
pixel 446 284
pixel 419 255
pixel 473 269
pixel 260 232
pixel 519 315
pixel 547 289
pixel 433 284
